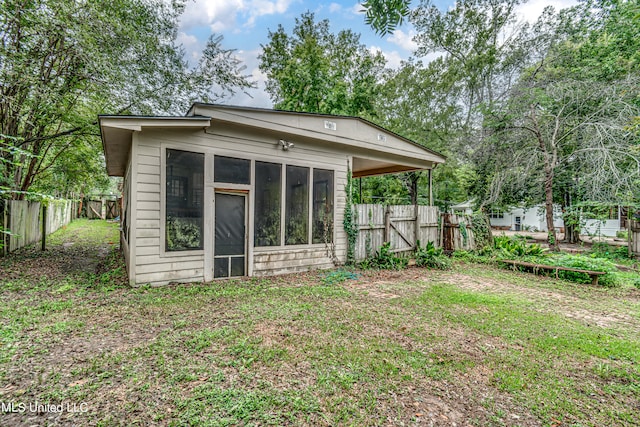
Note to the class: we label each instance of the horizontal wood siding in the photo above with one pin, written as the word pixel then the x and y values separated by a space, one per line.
pixel 291 260
pixel 152 267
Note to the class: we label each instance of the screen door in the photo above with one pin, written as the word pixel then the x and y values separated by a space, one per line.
pixel 229 247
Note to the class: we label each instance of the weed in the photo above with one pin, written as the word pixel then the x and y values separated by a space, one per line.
pixel 337 276
pixel 516 247
pixel 384 259
pixel 432 257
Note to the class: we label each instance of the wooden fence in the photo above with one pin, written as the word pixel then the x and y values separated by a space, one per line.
pixel 25 221
pixel 403 225
pixel 634 229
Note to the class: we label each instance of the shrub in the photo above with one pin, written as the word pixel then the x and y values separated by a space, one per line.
pixel 384 259
pixel 516 247
pixel 604 250
pixel 432 257
pixel 585 263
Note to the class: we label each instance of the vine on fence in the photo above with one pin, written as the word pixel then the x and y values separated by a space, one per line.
pixel 481 231
pixel 350 221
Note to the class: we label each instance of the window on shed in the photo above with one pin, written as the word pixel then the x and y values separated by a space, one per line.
pixel 496 214
pixel 322 206
pixel 184 196
pixel 231 170
pixel 297 206
pixel 267 208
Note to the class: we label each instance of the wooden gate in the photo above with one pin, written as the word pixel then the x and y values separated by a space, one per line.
pixel 401 226
pixel 456 233
pixel 112 209
pixel 94 209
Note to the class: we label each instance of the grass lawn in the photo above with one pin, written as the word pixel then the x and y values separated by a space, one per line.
pixel 475 345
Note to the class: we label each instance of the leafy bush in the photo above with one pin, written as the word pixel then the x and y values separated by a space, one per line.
pixel 481 231
pixel 585 263
pixel 636 283
pixel 384 259
pixel 604 250
pixel 622 234
pixel 432 257
pixel 516 247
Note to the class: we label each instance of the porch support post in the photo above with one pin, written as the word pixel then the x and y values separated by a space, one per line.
pixel 430 171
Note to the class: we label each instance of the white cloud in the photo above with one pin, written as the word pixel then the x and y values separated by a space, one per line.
pixel 357 9
pixel 258 8
pixel 532 9
pixel 335 7
pixel 257 97
pixel 192 46
pixel 222 15
pixel 211 13
pixel 393 58
pixel 404 40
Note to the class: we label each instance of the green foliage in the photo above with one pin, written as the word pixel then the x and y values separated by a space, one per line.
pixel 316 71
pixel 516 247
pixel 182 234
pixel 385 15
pixel 606 251
pixel 622 234
pixel 585 263
pixel 384 259
pixel 338 276
pixel 63 62
pixel 481 230
pixel 350 220
pixel 432 257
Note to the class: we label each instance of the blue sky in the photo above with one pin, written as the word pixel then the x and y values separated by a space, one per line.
pixel 245 25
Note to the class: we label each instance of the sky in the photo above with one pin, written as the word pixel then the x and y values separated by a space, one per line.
pixel 245 26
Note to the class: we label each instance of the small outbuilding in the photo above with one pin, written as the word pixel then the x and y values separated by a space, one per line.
pixel 231 191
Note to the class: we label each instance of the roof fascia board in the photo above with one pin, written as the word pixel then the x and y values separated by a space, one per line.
pixel 137 123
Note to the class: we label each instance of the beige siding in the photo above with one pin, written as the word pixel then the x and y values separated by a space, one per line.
pixel 150 264
pixel 155 266
pixel 291 260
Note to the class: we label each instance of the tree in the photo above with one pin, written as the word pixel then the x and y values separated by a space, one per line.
pixel 568 123
pixel 385 15
pixel 314 70
pixel 573 125
pixel 62 62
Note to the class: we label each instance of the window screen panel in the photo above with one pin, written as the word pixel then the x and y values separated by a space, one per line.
pixel 322 206
pixel 268 193
pixel 231 170
pixel 184 196
pixel 297 206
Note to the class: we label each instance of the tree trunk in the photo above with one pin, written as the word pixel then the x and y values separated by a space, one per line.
pixel 548 192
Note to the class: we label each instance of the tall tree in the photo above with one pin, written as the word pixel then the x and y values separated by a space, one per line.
pixel 572 115
pixel 314 70
pixel 62 62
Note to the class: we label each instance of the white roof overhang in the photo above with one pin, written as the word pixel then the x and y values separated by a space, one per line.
pixel 117 131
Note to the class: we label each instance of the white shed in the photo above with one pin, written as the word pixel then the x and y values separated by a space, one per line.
pixel 234 191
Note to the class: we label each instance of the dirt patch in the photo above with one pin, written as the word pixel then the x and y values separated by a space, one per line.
pixel 548 301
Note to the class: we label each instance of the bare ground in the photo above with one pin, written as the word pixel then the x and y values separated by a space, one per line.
pixel 121 351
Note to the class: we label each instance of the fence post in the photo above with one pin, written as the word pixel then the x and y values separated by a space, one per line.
pixel 44 226
pixel 417 228
pixel 387 224
pixel 4 208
